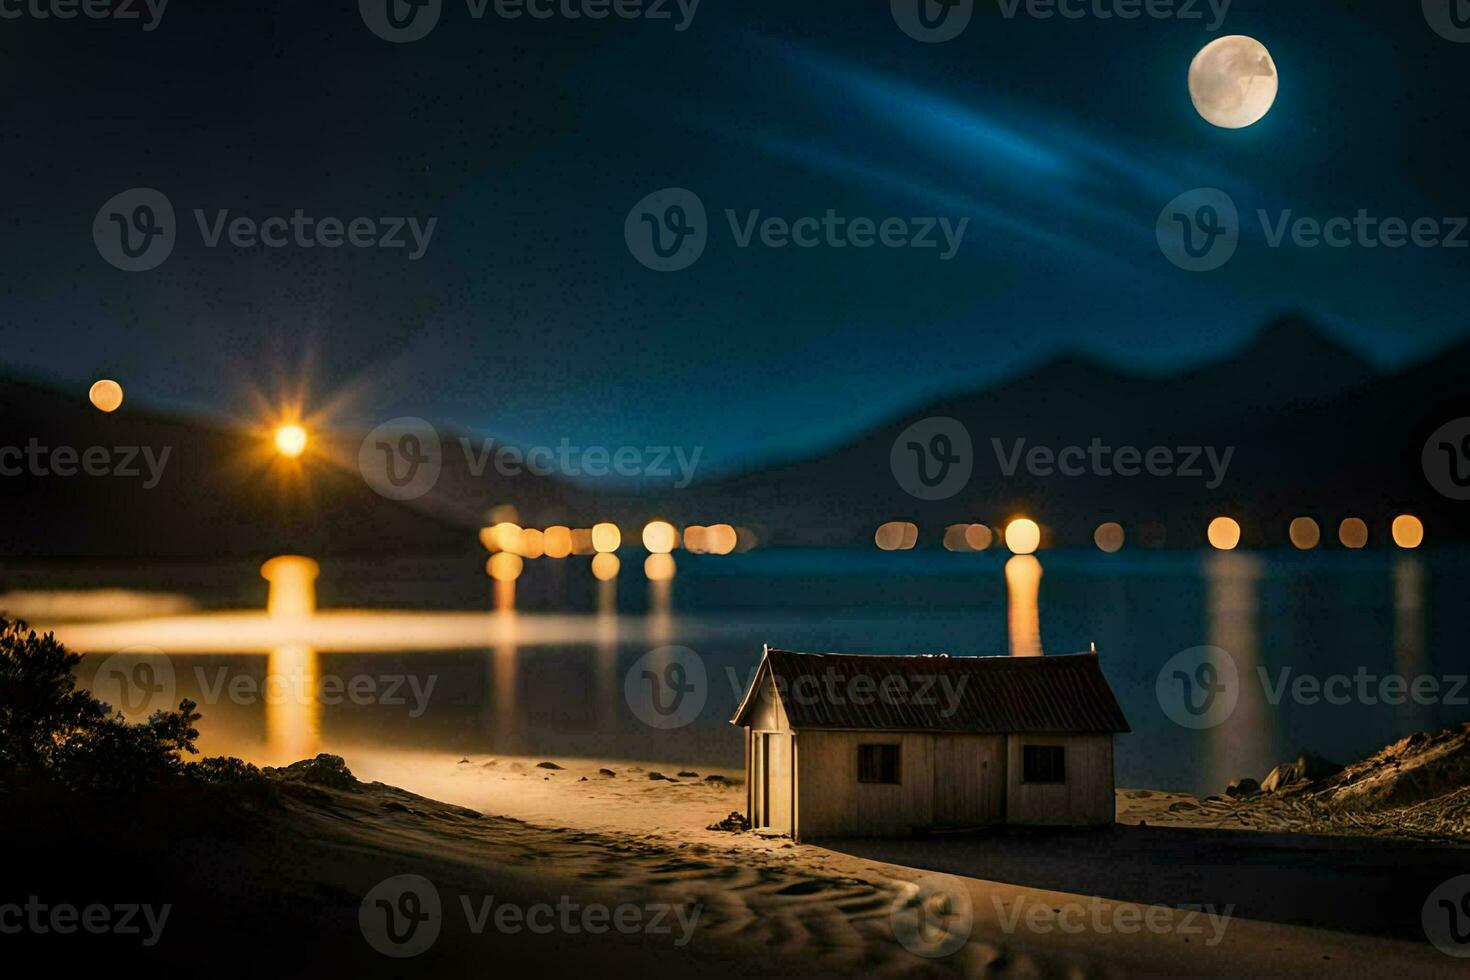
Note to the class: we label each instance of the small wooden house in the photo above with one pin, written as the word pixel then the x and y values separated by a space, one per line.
pixel 841 745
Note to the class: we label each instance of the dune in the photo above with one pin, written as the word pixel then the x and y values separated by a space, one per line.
pixel 773 907
pixel 551 864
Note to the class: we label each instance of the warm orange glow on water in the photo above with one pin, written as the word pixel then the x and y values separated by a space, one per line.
pixel 504 566
pixel 659 567
pixel 75 605
pixel 339 631
pixel 106 395
pixel 1242 743
pixel 1108 537
pixel 1408 531
pixel 605 567
pixel 606 537
pixel 1023 594
pixel 1305 533
pixel 292 581
pixel 1224 533
pixel 1353 533
pixel 1023 536
pixel 293 713
pixel 660 537
pixel 290 440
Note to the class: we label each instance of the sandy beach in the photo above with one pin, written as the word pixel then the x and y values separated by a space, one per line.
pixel 551 864
pixel 786 909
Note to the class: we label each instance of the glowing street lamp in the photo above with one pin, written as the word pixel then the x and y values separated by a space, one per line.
pixel 290 440
pixel 1408 531
pixel 1023 536
pixel 660 537
pixel 1224 533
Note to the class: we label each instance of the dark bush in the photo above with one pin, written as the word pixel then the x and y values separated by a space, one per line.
pixel 54 735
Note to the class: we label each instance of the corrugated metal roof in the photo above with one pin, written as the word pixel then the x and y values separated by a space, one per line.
pixel 984 695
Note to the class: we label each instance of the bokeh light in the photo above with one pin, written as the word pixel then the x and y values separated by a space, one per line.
pixel 1353 533
pixel 1108 536
pixel 978 537
pixel 660 537
pixel 606 537
pixel 557 541
pixel 1305 533
pixel 1023 536
pixel 605 566
pixel 696 539
pixel 1408 531
pixel 290 440
pixel 106 395
pixel 504 566
pixel 504 536
pixel 721 539
pixel 896 536
pixel 1224 533
pixel 659 567
pixel 532 544
pixel 292 581
pixel 967 537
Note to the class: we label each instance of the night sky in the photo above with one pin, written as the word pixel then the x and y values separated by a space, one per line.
pixel 527 318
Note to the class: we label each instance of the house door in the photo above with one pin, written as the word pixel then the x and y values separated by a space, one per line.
pixel 969 780
pixel 774 805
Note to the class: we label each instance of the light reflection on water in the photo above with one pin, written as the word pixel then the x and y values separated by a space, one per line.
pixel 1242 744
pixel 293 711
pixel 526 682
pixel 1023 602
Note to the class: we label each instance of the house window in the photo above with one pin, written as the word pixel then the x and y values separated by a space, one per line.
pixel 878 763
pixel 1043 764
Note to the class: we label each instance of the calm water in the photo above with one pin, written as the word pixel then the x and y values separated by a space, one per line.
pixel 549 677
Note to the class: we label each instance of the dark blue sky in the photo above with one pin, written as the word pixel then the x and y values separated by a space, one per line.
pixel 528 319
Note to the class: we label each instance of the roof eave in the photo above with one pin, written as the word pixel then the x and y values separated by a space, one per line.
pixel 748 701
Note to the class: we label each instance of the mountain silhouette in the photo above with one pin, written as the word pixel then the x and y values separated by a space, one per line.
pixel 1298 423
pixel 1311 428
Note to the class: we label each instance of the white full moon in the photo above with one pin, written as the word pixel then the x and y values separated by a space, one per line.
pixel 1233 81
